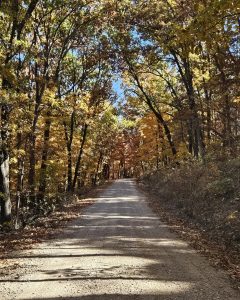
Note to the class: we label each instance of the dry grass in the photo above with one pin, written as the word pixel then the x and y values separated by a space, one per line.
pixel 202 202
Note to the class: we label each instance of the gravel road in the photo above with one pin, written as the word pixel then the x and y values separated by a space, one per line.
pixel 118 249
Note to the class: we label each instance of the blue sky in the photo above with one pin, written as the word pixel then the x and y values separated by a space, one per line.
pixel 117 87
pixel 119 91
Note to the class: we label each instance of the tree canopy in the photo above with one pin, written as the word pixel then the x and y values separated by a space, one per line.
pixel 62 124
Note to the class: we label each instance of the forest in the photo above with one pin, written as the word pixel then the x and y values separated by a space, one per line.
pixel 99 90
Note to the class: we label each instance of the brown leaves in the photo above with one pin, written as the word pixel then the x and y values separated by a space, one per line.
pixel 44 227
pixel 208 222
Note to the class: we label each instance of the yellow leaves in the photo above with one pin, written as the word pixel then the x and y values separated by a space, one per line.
pixel 17 153
pixel 236 100
pixel 183 151
pixel 127 123
pixel 11 96
pixel 83 104
pixel 200 76
pixel 195 57
pixel 22 43
pixel 50 98
pixel 200 69
pixel 13 160
pixel 232 216
pixel 7 72
pixel 21 152
pixel 149 137
pixel 5 97
pixel 52 162
pixel 80 103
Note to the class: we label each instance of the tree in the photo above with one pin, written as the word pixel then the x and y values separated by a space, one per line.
pixel 17 16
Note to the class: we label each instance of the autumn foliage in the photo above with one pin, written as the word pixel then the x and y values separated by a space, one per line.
pixel 62 128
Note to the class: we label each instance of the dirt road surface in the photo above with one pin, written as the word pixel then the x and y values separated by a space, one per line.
pixel 118 249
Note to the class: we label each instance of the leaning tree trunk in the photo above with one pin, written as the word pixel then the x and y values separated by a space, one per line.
pixel 164 124
pixel 156 112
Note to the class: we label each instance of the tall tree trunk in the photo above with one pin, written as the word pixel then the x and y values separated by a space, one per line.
pixel 69 168
pixel 190 136
pixel 5 201
pixel 79 159
pixel 43 170
pixel 194 123
pixel 157 152
pixel 106 171
pixel 113 171
pixel 40 88
pixel 16 32
pixel 209 114
pixel 32 160
pixel 196 136
pixel 159 141
pixel 20 177
pixel 20 174
pixel 69 139
pixel 226 111
pixel 98 167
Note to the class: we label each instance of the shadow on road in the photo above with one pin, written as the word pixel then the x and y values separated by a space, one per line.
pixel 112 297
pixel 120 250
